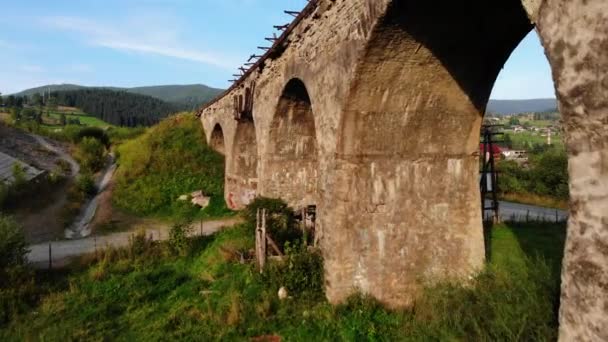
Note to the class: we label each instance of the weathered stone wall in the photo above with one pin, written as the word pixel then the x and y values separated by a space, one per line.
pixel 575 36
pixel 405 190
pixel 397 90
pixel 217 141
pixel 292 157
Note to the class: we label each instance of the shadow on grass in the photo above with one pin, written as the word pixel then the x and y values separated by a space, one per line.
pixel 544 240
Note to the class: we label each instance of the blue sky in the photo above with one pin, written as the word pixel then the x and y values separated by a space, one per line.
pixel 150 42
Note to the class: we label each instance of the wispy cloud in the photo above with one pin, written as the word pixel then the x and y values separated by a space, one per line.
pixel 140 36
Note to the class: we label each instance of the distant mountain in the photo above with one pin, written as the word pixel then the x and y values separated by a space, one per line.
pixel 504 107
pixel 47 88
pixel 118 107
pixel 190 96
pixel 185 96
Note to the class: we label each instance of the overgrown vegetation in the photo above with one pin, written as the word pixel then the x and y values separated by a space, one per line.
pixel 16 284
pixel 147 292
pixel 91 154
pixel 545 176
pixel 171 159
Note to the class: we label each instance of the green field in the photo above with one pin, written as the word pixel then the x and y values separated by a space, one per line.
pixel 84 118
pixel 144 294
pixel 522 139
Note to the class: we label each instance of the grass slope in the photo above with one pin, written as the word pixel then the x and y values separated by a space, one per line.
pixel 208 295
pixel 171 159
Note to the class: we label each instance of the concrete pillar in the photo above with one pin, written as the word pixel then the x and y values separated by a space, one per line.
pixel 575 36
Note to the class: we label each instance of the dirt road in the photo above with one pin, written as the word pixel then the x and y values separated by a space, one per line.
pixel 63 251
pixel 65 156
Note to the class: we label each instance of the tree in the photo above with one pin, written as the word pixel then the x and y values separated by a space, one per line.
pixel 508 141
pixel 51 104
pixel 91 154
pixel 1 99
pixel 36 100
pixel 19 100
pixel 62 119
pixel 16 114
pixel 10 101
pixel 513 121
pixel 13 248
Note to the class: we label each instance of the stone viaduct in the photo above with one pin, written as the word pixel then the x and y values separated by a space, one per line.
pixel 371 110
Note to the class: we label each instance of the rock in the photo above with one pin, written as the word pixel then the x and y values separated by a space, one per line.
pixel 282 293
pixel 198 198
pixel 182 198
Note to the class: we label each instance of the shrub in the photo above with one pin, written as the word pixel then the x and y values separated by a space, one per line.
pixel 3 194
pixel 178 238
pixel 93 132
pixel 279 221
pixel 91 154
pixel 13 248
pixel 301 272
pixel 86 184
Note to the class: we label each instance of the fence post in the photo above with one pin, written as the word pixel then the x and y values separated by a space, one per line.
pixel 528 216
pixel 50 257
pixel 201 227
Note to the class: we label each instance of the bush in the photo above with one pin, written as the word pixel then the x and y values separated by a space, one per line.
pixel 13 248
pixel 3 194
pixel 93 132
pixel 301 272
pixel 91 154
pixel 178 238
pixel 279 221
pixel 86 184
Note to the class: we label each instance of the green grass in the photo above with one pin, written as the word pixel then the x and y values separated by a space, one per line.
pixel 84 118
pixel 525 138
pixel 208 295
pixel 171 159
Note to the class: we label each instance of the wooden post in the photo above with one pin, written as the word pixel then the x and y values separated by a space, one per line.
pixel 527 216
pixel 257 236
pixel 304 220
pixel 50 257
pixel 201 227
pixel 263 242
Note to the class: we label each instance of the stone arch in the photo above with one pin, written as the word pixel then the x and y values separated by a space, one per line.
pixel 217 141
pixel 291 161
pixel 405 193
pixel 242 170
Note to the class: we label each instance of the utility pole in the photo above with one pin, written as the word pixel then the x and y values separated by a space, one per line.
pixel 489 176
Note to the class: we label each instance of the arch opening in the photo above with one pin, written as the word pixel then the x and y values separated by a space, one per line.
pixel 405 185
pixel 217 141
pixel 242 173
pixel 292 158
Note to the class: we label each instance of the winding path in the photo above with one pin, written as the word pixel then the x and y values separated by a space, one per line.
pixel 74 166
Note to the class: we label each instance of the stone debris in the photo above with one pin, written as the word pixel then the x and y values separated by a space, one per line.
pixel 282 293
pixel 197 198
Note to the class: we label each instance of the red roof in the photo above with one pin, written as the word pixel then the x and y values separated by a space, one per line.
pixel 495 149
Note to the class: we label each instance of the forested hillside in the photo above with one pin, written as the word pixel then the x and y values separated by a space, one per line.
pixel 119 108
pixel 186 97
